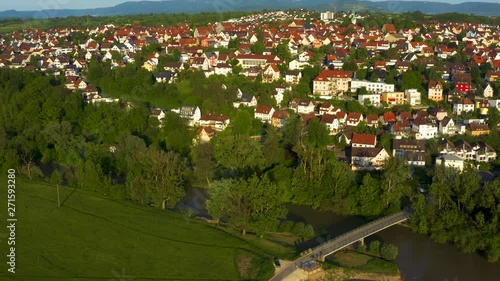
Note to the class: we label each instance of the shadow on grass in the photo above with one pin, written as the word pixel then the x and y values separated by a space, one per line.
pixel 68 196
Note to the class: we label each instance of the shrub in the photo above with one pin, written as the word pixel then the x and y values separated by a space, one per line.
pixel 389 252
pixel 362 248
pixel 375 248
pixel 286 226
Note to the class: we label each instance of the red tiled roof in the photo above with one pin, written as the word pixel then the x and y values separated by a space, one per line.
pixel 364 139
pixel 263 109
pixel 327 74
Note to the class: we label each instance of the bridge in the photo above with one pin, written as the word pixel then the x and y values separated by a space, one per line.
pixel 338 243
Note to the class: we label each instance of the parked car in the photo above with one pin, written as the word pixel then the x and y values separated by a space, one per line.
pixel 277 263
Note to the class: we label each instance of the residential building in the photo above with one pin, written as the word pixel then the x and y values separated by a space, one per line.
pixel 204 135
pixel 393 98
pixel 475 129
pixel 435 91
pixel 447 126
pixel 331 122
pixel 189 112
pixel 270 74
pixel 463 105
pixel 371 87
pixel 425 128
pixel 331 83
pixel 450 161
pixel 243 99
pixel 293 76
pixel 353 119
pixel 370 99
pixel 412 96
pixel 368 158
pixel 251 60
pixel 216 122
pixel 400 147
pixel 264 113
pixel 302 106
pixel 279 117
pixel 363 140
pixel 488 91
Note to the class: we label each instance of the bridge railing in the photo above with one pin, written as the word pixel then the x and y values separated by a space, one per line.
pixel 389 220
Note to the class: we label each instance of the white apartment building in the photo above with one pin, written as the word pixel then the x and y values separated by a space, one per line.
pixel 375 87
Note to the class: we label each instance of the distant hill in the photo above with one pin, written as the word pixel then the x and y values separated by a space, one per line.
pixel 196 6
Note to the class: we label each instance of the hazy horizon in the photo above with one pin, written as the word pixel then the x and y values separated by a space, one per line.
pixel 36 5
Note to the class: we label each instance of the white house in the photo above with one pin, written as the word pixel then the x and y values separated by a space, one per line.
pixel 331 122
pixel 424 129
pixel 191 113
pixel 463 105
pixel 264 113
pixel 368 158
pixel 450 161
pixel 447 126
pixel 413 97
pixel 373 87
pixel 488 91
pixel 374 99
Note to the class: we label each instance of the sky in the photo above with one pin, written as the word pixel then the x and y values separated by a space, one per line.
pixel 34 5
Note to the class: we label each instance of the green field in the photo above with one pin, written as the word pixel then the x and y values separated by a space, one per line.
pixel 365 263
pixel 94 238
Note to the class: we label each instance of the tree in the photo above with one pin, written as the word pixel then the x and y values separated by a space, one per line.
pixel 164 176
pixel 254 203
pixel 493 118
pixel 394 182
pixel 234 43
pixel 412 79
pixel 257 48
pixel 219 196
pixel 283 52
pixel 370 203
pixel 238 154
pixel 389 252
pixel 271 148
pixel 350 65
pixel 419 221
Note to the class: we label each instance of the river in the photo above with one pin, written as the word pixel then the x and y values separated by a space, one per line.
pixel 419 258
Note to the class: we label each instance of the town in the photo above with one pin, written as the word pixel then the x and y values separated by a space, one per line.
pixel 243 125
pixel 446 73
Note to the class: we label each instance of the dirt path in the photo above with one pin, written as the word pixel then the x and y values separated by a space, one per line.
pixel 341 274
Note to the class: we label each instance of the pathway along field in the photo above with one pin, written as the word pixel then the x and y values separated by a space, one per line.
pixel 94 238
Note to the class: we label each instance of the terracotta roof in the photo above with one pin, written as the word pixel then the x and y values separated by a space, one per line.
pixel 328 118
pixel 327 74
pixel 220 118
pixel 263 109
pixel 364 139
pixel 365 151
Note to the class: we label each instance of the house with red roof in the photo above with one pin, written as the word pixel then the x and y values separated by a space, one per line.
pixel 353 119
pixel 264 113
pixel 271 73
pixel 331 83
pixel 279 117
pixel 463 105
pixel 332 123
pixel 216 122
pixel 363 140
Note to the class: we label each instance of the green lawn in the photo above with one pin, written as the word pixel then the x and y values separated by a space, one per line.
pixel 365 263
pixel 94 238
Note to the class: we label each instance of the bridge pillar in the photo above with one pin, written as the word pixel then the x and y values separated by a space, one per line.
pixel 362 241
